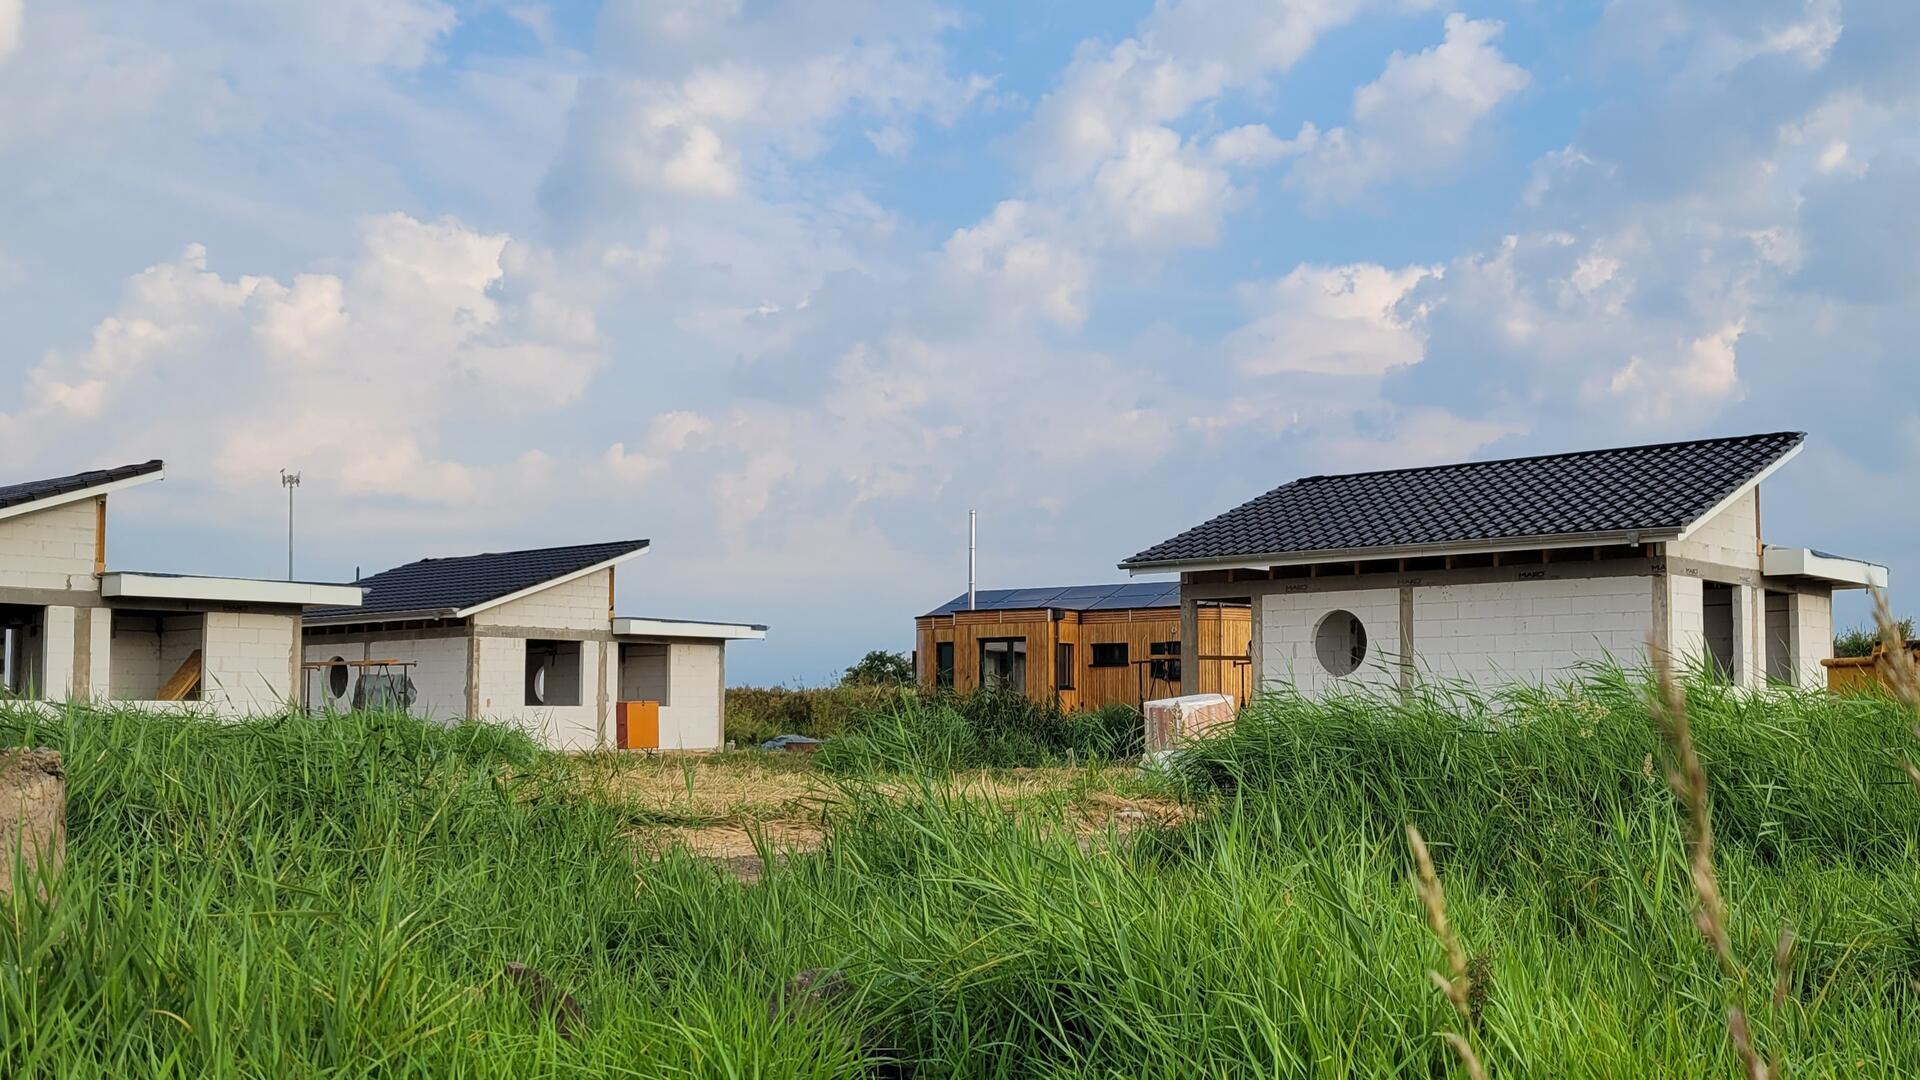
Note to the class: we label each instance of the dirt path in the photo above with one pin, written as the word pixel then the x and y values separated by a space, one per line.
pixel 724 806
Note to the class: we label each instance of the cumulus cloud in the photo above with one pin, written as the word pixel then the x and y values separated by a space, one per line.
pixel 699 100
pixel 356 376
pixel 1337 320
pixel 1420 114
pixel 1021 265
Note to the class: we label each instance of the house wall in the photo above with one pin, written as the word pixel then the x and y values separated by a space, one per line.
pixel 581 604
pixel 439 673
pixel 50 549
pixel 1686 615
pixel 500 676
pixel 134 662
pixel 248 660
pixel 1224 631
pixel 685 677
pixel 1729 538
pixel 1287 627
pixel 1529 629
pixel 57 661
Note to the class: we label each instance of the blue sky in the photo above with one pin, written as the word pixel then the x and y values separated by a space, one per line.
pixel 789 287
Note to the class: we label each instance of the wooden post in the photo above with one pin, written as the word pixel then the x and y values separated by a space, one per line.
pixel 1189 640
pixel 100 534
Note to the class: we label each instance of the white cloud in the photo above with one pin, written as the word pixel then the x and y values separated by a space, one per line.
pixel 1023 268
pixel 1701 374
pixel 12 15
pixel 1338 320
pixel 354 377
pixel 1163 193
pixel 701 100
pixel 1420 114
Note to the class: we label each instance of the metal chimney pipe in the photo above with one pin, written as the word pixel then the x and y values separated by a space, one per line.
pixel 973 547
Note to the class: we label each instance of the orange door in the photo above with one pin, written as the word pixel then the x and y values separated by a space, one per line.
pixel 637 725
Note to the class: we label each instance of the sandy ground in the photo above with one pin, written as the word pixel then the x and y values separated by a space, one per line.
pixel 722 807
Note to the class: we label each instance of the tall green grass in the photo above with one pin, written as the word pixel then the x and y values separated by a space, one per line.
pixel 337 896
pixel 938 733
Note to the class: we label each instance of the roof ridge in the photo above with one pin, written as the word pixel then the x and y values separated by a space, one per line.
pixel 522 551
pixel 1670 445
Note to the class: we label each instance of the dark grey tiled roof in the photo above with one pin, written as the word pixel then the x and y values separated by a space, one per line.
pixel 442 586
pixel 34 490
pixel 1133 594
pixel 1628 489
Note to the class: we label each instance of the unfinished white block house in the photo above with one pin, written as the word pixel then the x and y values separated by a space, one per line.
pixel 71 629
pixel 1519 569
pixel 529 638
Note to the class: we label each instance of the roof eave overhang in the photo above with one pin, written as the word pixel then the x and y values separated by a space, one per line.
pixel 374 618
pixel 1838 572
pixel 82 494
pixel 131 585
pixel 1474 547
pixel 670 628
pixel 469 612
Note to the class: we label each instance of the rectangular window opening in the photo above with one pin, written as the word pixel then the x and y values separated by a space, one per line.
pixel 1166 665
pixel 646 672
pixel 1063 666
pixel 1003 664
pixel 553 672
pixel 156 656
pixel 1109 654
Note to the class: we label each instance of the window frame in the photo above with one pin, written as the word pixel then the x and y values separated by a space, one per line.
pixel 1166 661
pixel 1063 665
pixel 552 649
pixel 943 665
pixel 1021 652
pixel 1094 659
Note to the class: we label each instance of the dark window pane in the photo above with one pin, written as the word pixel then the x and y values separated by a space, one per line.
pixel 1110 654
pixel 943 665
pixel 1063 666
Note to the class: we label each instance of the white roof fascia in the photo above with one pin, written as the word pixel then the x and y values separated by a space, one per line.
pixel 468 613
pixel 1470 547
pixel 1804 562
pixel 64 498
pixel 674 628
pixel 1738 493
pixel 133 585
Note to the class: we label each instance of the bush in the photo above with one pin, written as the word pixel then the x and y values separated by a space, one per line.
pixel 756 714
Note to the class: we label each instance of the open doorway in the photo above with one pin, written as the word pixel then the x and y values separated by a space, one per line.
pixel 23 653
pixel 1780 658
pixel 156 656
pixel 1717 624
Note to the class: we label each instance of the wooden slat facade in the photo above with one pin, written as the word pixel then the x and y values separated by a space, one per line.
pixel 1225 632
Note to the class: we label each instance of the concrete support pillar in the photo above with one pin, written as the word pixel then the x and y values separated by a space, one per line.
pixel 1749 637
pixel 1810 635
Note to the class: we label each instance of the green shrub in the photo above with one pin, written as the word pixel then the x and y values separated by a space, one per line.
pixel 756 714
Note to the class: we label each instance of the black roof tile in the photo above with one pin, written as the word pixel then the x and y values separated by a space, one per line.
pixel 435 586
pixel 1626 489
pixel 1132 594
pixel 34 490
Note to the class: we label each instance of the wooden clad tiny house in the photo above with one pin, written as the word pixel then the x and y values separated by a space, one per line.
pixel 1083 647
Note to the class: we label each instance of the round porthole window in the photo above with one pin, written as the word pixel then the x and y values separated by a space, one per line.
pixel 337 676
pixel 1341 643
